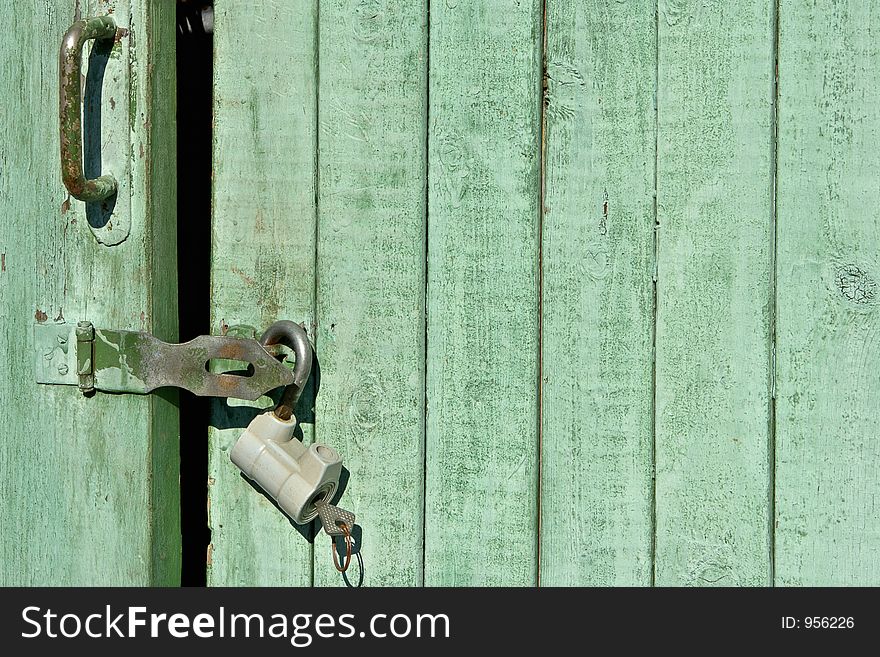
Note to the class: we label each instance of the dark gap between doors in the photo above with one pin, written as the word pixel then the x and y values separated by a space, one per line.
pixel 194 137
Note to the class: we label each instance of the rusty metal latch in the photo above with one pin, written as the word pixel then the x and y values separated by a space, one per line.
pixel 137 362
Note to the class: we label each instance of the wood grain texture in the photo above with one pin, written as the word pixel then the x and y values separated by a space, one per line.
pixel 371 276
pixel 598 235
pixel 482 343
pixel 714 294
pixel 160 207
pixel 89 485
pixel 828 322
pixel 262 258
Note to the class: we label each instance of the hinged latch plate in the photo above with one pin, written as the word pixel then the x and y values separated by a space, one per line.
pixel 136 362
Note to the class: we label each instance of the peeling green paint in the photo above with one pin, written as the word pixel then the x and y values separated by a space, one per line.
pixel 132 83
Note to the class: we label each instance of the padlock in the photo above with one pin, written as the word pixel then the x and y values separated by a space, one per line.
pixel 296 476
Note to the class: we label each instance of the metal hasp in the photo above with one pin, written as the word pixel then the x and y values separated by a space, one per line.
pixel 70 109
pixel 136 362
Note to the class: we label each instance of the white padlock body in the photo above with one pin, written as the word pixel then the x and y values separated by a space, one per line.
pixel 294 475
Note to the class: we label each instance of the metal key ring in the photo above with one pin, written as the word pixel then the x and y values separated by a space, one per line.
pixel 347 533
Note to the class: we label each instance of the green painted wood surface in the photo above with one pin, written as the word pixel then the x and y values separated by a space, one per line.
pixel 371 276
pixel 598 261
pixel 714 297
pixel 89 485
pixel 482 294
pixel 262 255
pixel 378 176
pixel 828 388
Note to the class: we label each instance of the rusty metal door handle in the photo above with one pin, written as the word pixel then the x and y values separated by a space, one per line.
pixel 70 109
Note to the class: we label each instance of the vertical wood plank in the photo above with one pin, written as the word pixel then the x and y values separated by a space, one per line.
pixel 263 255
pixel 828 325
pixel 89 485
pixel 159 121
pixel 482 343
pixel 598 236
pixel 714 293
pixel 371 276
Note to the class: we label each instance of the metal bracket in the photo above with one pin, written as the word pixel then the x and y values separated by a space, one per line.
pixel 137 362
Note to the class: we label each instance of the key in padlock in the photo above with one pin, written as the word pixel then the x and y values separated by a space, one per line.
pixel 295 475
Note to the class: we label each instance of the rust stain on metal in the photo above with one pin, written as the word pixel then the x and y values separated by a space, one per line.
pixel 232 351
pixel 40 316
pixel 65 206
pixel 228 385
pixel 157 364
pixel 2 262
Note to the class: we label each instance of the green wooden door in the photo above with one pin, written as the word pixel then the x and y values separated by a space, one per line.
pixel 89 485
pixel 592 287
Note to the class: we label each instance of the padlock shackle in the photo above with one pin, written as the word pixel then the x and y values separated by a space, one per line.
pixel 295 337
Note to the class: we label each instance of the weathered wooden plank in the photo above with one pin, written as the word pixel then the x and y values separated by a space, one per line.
pixel 828 322
pixel 371 276
pixel 482 342
pixel 714 294
pixel 159 97
pixel 598 315
pixel 263 255
pixel 89 485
